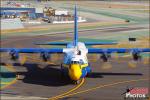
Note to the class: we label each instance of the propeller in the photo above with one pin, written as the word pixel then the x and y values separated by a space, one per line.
pixel 106 65
pixel 22 59
pixel 146 61
pixel 45 56
pixel 104 57
pixel 93 57
pixel 10 62
pixel 42 65
pixel 136 56
pixel 12 57
pixel 34 58
pixel 56 58
pixel 132 64
pixel 115 55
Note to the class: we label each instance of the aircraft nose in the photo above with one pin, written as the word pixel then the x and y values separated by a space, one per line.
pixel 75 72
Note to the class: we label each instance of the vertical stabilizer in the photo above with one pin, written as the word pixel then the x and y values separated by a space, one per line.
pixel 75 27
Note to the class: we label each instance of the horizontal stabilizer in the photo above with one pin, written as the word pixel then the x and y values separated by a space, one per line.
pixel 52 43
pixel 100 43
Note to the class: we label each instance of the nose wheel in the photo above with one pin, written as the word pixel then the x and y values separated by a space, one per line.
pixel 76 82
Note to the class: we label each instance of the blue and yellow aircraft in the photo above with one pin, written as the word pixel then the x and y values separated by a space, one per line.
pixel 75 62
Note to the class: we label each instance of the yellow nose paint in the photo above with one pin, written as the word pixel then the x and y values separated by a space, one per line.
pixel 75 72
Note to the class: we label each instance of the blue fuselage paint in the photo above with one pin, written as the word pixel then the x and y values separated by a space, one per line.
pixel 85 71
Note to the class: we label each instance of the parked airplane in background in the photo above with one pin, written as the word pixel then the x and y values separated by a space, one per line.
pixel 75 62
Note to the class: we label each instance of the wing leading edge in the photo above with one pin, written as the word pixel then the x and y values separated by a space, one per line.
pixel 117 50
pixel 32 50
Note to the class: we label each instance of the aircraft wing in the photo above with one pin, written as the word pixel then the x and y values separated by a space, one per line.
pixel 117 50
pixel 32 50
pixel 100 43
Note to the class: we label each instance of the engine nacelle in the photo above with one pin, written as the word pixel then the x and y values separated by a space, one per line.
pixel 105 57
pixel 136 56
pixel 45 56
pixel 14 55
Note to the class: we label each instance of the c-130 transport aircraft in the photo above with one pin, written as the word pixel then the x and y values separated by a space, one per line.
pixel 75 63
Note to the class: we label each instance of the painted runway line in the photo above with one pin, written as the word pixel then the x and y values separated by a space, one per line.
pixel 66 93
pixel 7 84
pixel 102 86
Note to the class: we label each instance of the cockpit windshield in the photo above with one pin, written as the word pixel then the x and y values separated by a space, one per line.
pixel 74 62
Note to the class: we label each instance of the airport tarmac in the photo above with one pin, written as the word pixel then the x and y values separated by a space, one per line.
pixel 45 83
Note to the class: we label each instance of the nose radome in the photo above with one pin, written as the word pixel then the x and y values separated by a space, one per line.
pixel 75 72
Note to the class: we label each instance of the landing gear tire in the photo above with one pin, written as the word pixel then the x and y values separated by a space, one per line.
pixel 76 82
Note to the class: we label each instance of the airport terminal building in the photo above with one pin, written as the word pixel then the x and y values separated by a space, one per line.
pixel 8 12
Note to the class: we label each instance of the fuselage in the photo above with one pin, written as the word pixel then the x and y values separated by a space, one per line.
pixel 75 61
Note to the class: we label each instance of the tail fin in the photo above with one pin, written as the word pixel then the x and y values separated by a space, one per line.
pixel 75 27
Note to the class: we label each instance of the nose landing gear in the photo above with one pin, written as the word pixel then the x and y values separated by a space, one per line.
pixel 76 82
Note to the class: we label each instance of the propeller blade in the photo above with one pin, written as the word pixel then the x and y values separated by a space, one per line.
pixel 94 57
pixel 115 55
pixel 146 61
pixel 40 61
pixel 42 65
pixel 10 62
pixel 132 64
pixel 126 55
pixel 55 58
pixel 106 65
pixel 23 59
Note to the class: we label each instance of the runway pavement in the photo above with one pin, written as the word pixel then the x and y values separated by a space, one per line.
pixel 36 83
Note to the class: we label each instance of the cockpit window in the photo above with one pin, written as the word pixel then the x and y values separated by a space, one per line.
pixel 74 62
pixel 81 61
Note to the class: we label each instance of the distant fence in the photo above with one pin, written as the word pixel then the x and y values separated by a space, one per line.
pixel 11 24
